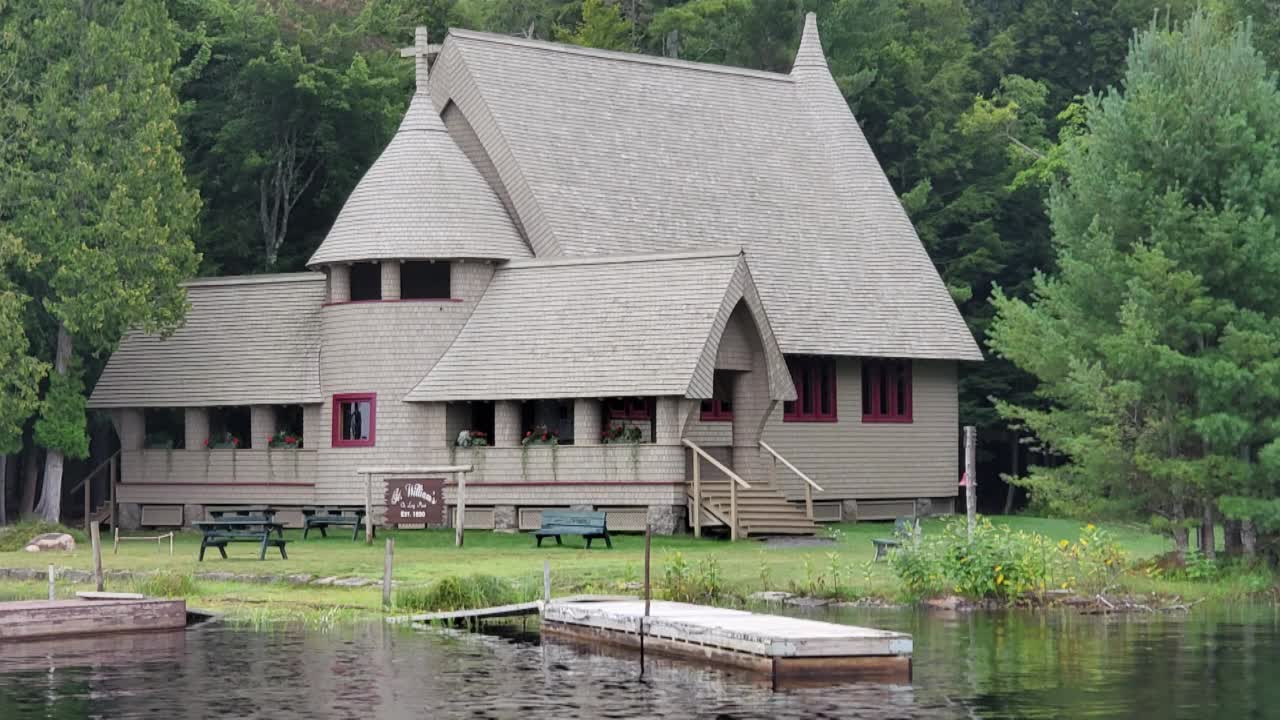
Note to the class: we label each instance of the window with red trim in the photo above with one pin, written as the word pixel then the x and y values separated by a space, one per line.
pixel 815 381
pixel 354 418
pixel 886 391
pixel 718 407
pixel 630 408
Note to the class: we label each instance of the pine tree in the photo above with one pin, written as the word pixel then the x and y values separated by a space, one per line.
pixel 1156 343
pixel 97 193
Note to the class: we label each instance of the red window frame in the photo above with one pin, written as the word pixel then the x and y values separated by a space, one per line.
pixel 886 391
pixel 336 436
pixel 815 381
pixel 630 408
pixel 713 410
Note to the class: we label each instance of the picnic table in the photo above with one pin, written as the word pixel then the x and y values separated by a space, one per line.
pixel 234 527
pixel 324 517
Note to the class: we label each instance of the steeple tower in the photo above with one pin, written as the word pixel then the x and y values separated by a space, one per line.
pixel 422 199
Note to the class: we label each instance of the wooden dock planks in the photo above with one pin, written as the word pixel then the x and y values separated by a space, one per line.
pixel 40 619
pixel 783 647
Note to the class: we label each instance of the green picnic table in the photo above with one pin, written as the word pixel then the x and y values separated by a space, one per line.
pixel 227 528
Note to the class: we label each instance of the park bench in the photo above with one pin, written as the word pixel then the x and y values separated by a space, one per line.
pixel 259 529
pixel 589 525
pixel 902 528
pixel 325 517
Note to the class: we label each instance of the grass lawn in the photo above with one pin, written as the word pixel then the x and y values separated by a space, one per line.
pixel 422 556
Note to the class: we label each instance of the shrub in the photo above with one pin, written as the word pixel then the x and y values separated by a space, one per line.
pixel 460 593
pixel 166 584
pixel 699 582
pixel 1002 563
pixel 16 536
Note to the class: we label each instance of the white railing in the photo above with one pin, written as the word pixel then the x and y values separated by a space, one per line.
pixel 735 481
pixel 809 484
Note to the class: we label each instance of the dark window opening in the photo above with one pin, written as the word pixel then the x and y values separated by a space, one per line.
pixel 366 281
pixel 886 391
pixel 630 408
pixel 719 406
pixel 164 428
pixel 354 418
pixel 229 427
pixel 553 418
pixel 815 381
pixel 288 427
pixel 424 281
pixel 482 420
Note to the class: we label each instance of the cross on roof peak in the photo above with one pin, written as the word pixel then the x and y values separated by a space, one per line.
pixel 421 53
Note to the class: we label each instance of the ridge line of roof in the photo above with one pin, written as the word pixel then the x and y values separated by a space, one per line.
pixel 255 279
pixel 566 261
pixel 617 55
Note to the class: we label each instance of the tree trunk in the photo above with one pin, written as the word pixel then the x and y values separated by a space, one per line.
pixel 1208 543
pixel 1232 542
pixel 1180 541
pixel 50 507
pixel 4 488
pixel 1248 538
pixel 1013 473
pixel 30 479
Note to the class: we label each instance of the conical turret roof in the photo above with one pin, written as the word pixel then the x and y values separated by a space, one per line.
pixel 421 199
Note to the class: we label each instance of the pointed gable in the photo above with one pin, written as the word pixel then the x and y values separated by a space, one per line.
pixel 618 153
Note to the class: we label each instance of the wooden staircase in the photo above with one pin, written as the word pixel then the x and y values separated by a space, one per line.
pixel 752 509
pixel 762 510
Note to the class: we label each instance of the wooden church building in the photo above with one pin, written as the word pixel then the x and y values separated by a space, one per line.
pixel 582 273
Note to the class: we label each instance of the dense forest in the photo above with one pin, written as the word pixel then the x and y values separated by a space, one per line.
pixel 261 115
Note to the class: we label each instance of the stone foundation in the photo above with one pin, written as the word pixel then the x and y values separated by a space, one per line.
pixel 129 516
pixel 667 519
pixel 505 518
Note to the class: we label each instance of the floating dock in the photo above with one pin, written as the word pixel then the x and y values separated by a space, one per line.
pixel 786 649
pixel 45 619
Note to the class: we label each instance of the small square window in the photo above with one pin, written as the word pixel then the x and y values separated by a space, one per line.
pixel 354 419
pixel 718 407
pixel 629 408
pixel 424 281
pixel 366 282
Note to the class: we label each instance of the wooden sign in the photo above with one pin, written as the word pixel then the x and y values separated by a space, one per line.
pixel 414 501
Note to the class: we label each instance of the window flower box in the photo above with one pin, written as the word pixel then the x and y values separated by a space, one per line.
pixel 225 441
pixel 540 436
pixel 617 434
pixel 285 440
pixel 472 438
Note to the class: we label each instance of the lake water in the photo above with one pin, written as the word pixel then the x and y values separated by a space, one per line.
pixel 1223 662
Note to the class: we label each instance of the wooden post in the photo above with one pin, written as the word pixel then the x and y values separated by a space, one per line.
pixel 88 493
pixel 733 509
pixel 546 582
pixel 648 534
pixel 96 538
pixel 368 508
pixel 697 495
pixel 111 493
pixel 115 544
pixel 461 520
pixel 386 572
pixel 971 477
pixel 53 592
pixel 808 501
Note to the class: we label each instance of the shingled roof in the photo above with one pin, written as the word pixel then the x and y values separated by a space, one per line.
pixel 249 340
pixel 606 153
pixel 422 199
pixel 602 327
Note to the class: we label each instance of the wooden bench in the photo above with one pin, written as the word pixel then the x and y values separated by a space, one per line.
pixel 324 517
pixel 902 528
pixel 589 525
pixel 260 530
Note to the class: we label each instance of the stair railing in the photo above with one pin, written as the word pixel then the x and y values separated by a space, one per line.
pixel 735 481
pixel 809 484
pixel 87 483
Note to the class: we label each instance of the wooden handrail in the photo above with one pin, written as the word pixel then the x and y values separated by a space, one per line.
pixel 716 463
pixel 95 471
pixel 791 467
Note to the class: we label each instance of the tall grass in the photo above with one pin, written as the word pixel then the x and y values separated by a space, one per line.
pixel 463 593
pixel 166 584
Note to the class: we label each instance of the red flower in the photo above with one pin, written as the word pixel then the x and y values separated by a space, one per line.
pixel 290 439
pixel 206 442
pixel 235 442
pixel 544 436
pixel 527 433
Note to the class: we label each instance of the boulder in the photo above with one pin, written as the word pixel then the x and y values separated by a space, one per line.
pixel 51 541
pixel 770 596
